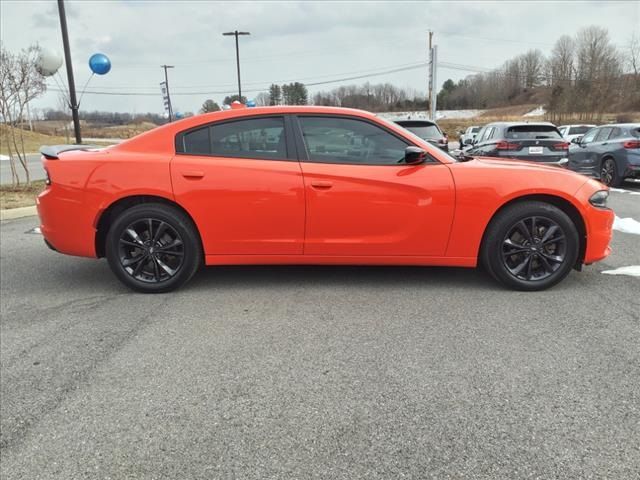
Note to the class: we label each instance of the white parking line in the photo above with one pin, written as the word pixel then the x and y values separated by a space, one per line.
pixel 633 271
pixel 622 190
pixel 626 225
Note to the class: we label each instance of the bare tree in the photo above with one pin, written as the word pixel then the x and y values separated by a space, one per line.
pixel 20 83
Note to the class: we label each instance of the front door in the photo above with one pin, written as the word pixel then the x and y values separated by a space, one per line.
pixel 242 183
pixel 362 200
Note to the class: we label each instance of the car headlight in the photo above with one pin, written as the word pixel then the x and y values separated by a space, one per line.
pixel 599 199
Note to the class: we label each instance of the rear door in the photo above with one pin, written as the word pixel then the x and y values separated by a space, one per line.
pixel 241 182
pixel 362 200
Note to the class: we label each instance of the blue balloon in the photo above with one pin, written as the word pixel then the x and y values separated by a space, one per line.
pixel 251 103
pixel 99 63
pixel 179 115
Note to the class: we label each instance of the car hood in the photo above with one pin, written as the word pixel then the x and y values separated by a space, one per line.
pixel 521 165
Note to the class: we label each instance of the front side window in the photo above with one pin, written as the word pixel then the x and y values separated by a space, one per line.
pixel 350 141
pixel 590 135
pixel 259 138
pixel 604 134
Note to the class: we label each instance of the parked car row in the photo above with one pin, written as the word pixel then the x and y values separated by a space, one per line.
pixel 610 153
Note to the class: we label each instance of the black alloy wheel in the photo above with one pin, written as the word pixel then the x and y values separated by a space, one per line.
pixel 530 245
pixel 608 174
pixel 534 248
pixel 151 250
pixel 153 247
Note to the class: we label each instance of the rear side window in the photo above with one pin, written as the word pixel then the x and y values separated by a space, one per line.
pixel 581 130
pixel 256 138
pixel 197 142
pixel 422 130
pixel 475 129
pixel 635 132
pixel 615 133
pixel 532 132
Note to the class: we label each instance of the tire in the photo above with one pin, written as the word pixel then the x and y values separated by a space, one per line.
pixel 535 260
pixel 153 248
pixel 609 173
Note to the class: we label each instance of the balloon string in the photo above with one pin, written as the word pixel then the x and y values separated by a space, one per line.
pixel 61 86
pixel 84 88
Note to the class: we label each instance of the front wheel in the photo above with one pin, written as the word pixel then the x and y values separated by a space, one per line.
pixel 530 246
pixel 609 173
pixel 153 248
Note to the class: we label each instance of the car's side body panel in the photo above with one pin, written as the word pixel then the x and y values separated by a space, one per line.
pixel 378 210
pixel 242 206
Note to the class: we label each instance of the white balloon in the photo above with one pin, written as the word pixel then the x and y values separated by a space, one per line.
pixel 48 62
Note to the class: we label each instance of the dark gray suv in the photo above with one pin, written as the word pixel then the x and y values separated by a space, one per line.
pixel 535 142
pixel 610 153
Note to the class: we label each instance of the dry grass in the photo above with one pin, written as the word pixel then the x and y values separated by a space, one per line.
pixel 23 196
pixel 32 140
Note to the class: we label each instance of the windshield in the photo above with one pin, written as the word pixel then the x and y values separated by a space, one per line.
pixel 581 130
pixel 422 129
pixel 532 132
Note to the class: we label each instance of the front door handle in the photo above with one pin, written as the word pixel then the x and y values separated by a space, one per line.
pixel 192 174
pixel 321 184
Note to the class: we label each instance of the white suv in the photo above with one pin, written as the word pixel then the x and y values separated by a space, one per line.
pixel 570 132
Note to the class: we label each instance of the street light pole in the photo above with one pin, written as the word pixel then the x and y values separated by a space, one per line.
pixel 236 33
pixel 73 103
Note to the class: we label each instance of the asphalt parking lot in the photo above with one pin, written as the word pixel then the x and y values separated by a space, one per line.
pixel 309 372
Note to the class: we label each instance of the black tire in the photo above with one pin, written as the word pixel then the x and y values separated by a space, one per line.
pixel 535 260
pixel 609 173
pixel 153 248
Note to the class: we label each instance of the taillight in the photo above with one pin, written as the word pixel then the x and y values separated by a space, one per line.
pixel 503 145
pixel 561 146
pixel 631 144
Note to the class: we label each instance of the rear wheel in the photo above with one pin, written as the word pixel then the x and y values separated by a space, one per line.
pixel 153 248
pixel 530 246
pixel 609 173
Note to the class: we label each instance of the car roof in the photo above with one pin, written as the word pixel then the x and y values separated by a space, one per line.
pixel 520 124
pixel 578 125
pixel 412 120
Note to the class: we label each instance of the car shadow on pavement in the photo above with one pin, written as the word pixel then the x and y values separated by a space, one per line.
pixel 341 276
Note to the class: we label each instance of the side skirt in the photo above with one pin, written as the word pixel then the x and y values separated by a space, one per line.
pixel 340 260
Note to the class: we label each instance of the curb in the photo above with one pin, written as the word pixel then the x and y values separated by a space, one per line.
pixel 13 213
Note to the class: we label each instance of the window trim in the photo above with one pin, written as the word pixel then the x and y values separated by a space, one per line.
pixel 303 154
pixel 291 150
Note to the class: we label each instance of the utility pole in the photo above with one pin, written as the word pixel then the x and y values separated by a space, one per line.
pixel 434 82
pixel 236 33
pixel 73 103
pixel 430 60
pixel 166 83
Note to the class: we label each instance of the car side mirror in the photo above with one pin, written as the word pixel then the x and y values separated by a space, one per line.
pixel 576 140
pixel 468 141
pixel 414 155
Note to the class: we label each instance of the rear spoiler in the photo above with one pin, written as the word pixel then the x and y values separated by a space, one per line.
pixel 54 151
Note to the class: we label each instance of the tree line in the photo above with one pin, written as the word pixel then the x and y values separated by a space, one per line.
pixel 584 76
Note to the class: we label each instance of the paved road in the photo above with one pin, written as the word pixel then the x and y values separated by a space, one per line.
pixel 35 169
pixel 307 372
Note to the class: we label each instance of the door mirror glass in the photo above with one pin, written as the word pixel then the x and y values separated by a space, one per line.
pixel 576 140
pixel 414 155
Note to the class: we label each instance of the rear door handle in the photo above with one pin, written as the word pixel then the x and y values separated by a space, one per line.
pixel 321 184
pixel 192 173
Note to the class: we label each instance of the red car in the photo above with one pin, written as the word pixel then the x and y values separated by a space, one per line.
pixel 314 185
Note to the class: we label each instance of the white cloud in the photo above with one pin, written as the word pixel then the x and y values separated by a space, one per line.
pixel 289 40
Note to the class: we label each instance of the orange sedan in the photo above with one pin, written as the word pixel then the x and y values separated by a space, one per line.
pixel 314 185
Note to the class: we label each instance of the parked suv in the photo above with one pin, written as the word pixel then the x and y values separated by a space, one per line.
pixel 468 135
pixel 536 142
pixel 427 130
pixel 569 132
pixel 610 153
